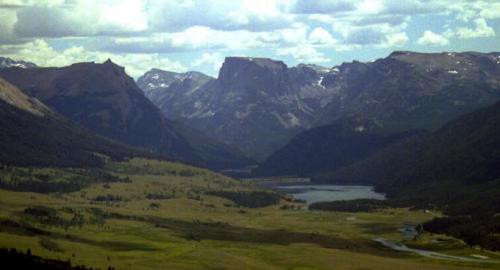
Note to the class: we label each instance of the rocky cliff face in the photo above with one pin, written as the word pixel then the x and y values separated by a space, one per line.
pixel 385 101
pixel 256 104
pixel 259 104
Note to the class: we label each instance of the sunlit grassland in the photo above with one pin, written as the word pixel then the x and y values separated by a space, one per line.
pixel 184 228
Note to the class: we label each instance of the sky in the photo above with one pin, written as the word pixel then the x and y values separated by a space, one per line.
pixel 182 35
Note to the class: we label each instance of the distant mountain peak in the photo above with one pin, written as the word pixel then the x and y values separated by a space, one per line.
pixel 232 61
pixel 6 62
pixel 108 62
pixel 317 68
pixel 249 70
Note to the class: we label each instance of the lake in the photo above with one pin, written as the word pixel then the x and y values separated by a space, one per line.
pixel 322 193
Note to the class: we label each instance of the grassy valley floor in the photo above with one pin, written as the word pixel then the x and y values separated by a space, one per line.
pixel 148 214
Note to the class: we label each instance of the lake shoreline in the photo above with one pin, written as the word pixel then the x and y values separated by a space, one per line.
pixel 303 189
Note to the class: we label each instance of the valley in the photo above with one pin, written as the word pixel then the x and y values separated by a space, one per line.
pixel 249 134
pixel 265 167
pixel 161 215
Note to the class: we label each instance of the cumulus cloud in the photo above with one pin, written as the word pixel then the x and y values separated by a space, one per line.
pixel 41 53
pixel 201 38
pixel 252 15
pixel 412 7
pixel 319 36
pixel 323 6
pixel 481 30
pixel 432 39
pixel 7 20
pixel 306 30
pixel 304 53
pixel 214 60
pixel 33 22
pixel 80 18
pixel 395 40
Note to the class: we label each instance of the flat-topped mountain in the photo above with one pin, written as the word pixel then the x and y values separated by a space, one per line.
pixel 256 104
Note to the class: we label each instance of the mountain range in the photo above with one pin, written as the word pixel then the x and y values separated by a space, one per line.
pixel 105 100
pixel 256 104
pixel 303 120
pixel 260 104
pixel 402 94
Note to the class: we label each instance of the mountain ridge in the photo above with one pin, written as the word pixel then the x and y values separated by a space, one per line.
pixel 403 91
pixel 104 99
pixel 34 135
pixel 233 106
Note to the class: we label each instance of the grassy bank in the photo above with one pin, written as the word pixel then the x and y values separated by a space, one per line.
pixel 168 215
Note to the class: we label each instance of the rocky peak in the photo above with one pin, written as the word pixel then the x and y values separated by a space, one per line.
pixel 113 68
pixel 6 62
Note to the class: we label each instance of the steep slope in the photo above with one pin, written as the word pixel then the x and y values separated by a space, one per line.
pixel 463 153
pixel 34 135
pixel 327 148
pixel 102 98
pixel 216 155
pixel 256 104
pixel 403 92
pixel 259 104
pixel 169 90
pixel 409 90
pixel 455 169
pixel 6 62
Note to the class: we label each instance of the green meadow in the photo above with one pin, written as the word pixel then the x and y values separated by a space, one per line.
pixel 147 214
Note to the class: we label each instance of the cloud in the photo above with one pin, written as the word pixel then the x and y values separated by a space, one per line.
pixel 7 20
pixel 319 36
pixel 430 38
pixel 214 60
pixel 395 40
pixel 481 30
pixel 33 22
pixel 413 7
pixel 322 6
pixel 81 18
pixel 194 39
pixel 393 20
pixel 305 30
pixel 41 53
pixel 304 53
pixel 252 15
pixel 492 12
